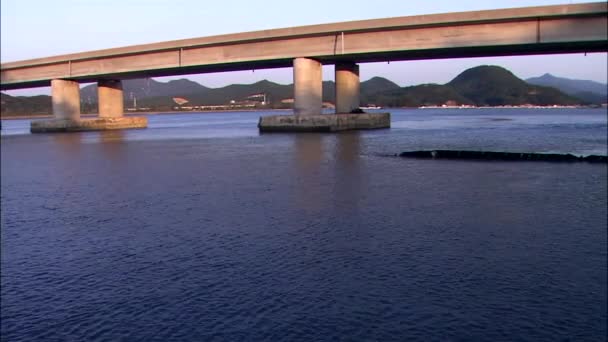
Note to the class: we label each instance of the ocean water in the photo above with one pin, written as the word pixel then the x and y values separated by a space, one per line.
pixel 201 229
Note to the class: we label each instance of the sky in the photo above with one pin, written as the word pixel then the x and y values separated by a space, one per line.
pixel 41 28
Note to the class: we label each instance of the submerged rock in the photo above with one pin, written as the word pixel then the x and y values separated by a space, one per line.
pixel 488 155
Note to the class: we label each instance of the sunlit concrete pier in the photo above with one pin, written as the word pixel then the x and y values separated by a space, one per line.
pixel 308 101
pixel 65 97
pixel 505 32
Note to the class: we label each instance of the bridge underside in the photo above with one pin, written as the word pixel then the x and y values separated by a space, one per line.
pixel 387 56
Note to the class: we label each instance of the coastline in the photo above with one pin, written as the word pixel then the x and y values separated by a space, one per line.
pixel 50 116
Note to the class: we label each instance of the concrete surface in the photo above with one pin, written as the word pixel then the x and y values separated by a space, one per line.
pixel 65 96
pixel 347 87
pixel 324 122
pixel 93 124
pixel 307 86
pixel 111 103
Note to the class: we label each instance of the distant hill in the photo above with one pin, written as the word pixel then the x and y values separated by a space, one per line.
pixel 150 92
pixel 377 85
pixel 147 87
pixel 25 105
pixel 590 91
pixel 371 89
pixel 482 86
pixel 420 95
pixel 489 85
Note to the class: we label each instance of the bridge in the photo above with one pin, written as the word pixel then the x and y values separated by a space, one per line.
pixel 519 31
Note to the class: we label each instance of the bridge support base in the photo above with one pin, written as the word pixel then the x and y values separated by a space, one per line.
pixel 324 122
pixel 92 124
pixel 66 109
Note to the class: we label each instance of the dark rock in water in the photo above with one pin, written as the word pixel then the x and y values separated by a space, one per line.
pixel 596 159
pixel 485 155
pixel 357 111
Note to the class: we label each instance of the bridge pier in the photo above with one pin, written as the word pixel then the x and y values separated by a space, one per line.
pixel 65 96
pixel 347 87
pixel 308 97
pixel 66 109
pixel 110 99
pixel 307 86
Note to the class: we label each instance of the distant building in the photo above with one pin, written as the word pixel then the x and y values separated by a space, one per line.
pixel 180 100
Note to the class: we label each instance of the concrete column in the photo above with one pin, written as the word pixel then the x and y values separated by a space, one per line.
pixel 109 94
pixel 65 96
pixel 347 87
pixel 307 86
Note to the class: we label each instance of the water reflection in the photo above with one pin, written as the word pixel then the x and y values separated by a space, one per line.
pixel 112 145
pixel 112 136
pixel 308 155
pixel 348 147
pixel 308 152
pixel 82 147
pixel 313 154
pixel 349 183
pixel 68 143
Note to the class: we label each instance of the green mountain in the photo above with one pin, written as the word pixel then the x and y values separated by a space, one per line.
pixel 421 95
pixel 147 87
pixel 377 85
pixel 488 85
pixel 590 91
pixel 25 105
pixel 481 86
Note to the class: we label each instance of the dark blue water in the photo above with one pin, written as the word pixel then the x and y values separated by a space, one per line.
pixel 200 229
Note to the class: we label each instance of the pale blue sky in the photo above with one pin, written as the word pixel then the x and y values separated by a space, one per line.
pixel 40 28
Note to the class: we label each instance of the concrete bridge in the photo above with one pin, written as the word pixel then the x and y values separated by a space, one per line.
pixel 519 31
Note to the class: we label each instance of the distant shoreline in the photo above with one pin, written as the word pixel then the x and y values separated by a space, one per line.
pixel 48 116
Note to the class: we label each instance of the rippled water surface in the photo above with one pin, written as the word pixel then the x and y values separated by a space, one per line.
pixel 200 229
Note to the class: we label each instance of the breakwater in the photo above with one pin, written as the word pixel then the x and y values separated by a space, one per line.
pixel 507 156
